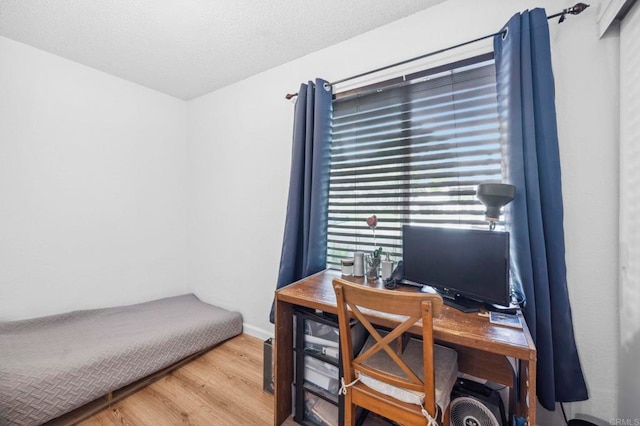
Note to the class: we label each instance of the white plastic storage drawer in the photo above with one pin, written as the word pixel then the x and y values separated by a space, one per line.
pixel 324 339
pixel 320 411
pixel 322 375
pixel 321 338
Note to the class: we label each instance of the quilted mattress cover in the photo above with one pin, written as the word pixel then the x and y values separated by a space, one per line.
pixel 52 365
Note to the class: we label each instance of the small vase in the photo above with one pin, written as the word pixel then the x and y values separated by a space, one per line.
pixel 373 267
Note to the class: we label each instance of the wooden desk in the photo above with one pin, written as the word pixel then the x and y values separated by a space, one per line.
pixel 482 347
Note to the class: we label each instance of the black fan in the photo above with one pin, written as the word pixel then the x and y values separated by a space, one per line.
pixel 474 404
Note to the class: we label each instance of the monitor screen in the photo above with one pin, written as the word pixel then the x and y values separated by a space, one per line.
pixel 467 262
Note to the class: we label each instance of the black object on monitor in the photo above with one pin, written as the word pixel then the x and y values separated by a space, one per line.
pixel 468 267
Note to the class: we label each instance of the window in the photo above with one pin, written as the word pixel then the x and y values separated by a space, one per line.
pixel 412 152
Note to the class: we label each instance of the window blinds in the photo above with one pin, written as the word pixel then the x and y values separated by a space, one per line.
pixel 412 154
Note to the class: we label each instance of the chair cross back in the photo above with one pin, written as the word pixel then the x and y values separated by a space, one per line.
pixel 383 343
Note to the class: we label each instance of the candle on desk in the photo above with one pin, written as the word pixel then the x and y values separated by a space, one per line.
pixel 347 267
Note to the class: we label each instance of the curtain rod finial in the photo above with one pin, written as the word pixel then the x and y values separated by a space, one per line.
pixel 576 9
pixel 290 96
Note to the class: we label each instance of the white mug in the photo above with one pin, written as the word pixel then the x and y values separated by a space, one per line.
pixel 387 269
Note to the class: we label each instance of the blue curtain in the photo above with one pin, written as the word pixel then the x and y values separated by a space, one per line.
pixel 526 104
pixel 304 247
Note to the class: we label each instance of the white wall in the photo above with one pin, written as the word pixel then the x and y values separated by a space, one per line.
pixel 630 214
pixel 587 87
pixel 92 187
pixel 239 160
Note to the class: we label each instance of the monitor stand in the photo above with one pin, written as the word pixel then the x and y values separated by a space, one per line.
pixel 461 303
pixel 511 309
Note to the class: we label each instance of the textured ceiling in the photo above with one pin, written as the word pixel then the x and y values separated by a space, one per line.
pixel 187 48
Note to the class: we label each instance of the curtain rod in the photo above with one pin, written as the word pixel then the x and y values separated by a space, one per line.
pixel 577 9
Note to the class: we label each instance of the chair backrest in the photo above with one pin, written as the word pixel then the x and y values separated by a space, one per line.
pixel 361 300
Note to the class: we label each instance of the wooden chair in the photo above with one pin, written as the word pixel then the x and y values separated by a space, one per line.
pixel 401 384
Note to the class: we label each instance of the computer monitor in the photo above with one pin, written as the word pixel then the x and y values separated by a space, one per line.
pixel 459 263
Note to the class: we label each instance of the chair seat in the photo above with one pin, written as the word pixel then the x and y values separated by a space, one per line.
pixel 445 366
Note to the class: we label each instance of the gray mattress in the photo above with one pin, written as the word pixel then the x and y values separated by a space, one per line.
pixel 52 365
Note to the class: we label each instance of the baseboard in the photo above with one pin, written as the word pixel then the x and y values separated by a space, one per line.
pixel 256 331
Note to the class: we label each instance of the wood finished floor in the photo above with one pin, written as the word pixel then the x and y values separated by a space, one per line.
pixel 223 387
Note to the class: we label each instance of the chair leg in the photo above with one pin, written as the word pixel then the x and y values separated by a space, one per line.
pixel 446 420
pixel 349 411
